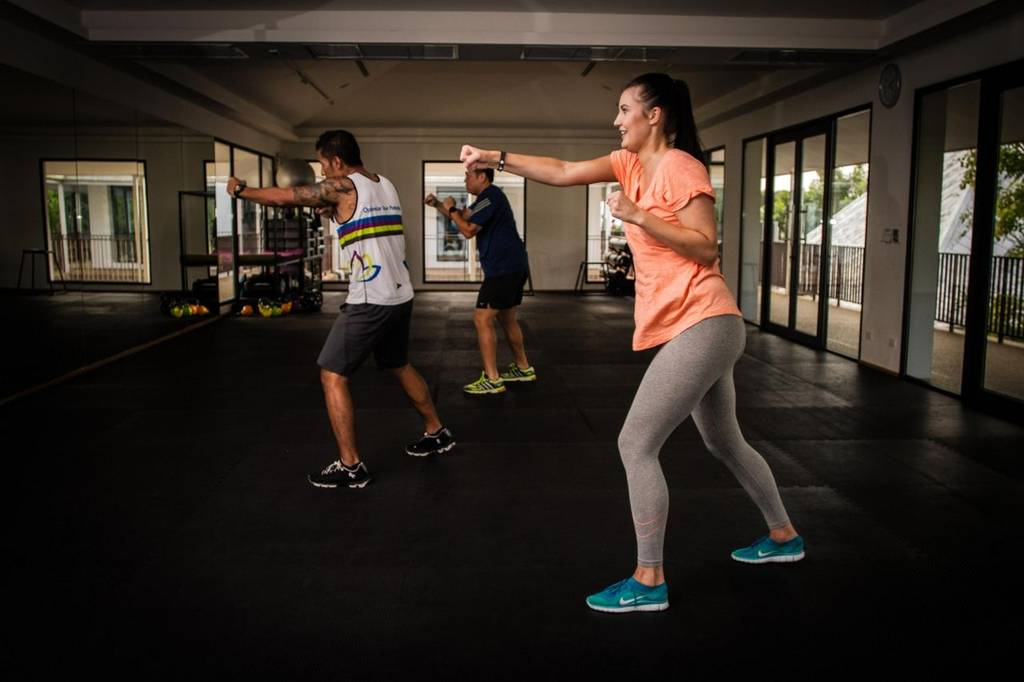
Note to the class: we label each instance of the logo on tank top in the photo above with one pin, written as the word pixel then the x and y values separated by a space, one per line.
pixel 367 269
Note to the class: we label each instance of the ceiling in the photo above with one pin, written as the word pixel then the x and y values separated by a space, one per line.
pixel 539 64
pixel 863 9
pixel 448 93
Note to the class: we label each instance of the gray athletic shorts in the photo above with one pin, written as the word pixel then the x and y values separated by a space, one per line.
pixel 365 327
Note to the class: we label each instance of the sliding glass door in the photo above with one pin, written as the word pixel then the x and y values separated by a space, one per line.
pixel 965 307
pixel 795 270
pixel 806 189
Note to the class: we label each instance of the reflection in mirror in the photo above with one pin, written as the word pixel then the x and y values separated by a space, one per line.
pixel 91 247
pixel 448 256
pixel 225 232
pixel 606 241
pixel 250 216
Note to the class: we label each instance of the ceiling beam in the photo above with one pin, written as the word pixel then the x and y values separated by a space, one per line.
pixel 517 27
pixel 252 114
pixel 48 58
pixel 499 28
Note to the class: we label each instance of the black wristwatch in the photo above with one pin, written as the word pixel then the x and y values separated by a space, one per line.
pixel 453 208
pixel 239 188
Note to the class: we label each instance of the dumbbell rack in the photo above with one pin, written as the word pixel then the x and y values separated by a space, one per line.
pixel 313 262
pixel 293 253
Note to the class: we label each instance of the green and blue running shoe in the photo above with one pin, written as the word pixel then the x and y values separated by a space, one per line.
pixel 766 550
pixel 629 595
pixel 483 385
pixel 516 373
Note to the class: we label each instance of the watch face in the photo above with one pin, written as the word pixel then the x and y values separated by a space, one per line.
pixel 889 84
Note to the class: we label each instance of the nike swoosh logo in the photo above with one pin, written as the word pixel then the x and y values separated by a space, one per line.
pixel 627 602
pixel 764 554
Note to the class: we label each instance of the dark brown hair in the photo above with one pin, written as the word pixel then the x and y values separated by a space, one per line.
pixel 673 96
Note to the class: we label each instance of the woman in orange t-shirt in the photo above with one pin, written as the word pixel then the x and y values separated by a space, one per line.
pixel 682 305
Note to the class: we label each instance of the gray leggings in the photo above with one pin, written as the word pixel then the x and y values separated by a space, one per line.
pixel 691 374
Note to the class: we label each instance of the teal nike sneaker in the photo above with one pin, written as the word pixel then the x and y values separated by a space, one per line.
pixel 629 595
pixel 766 550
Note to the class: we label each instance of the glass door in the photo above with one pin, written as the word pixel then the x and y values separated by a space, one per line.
pixel 807 254
pixel 796 242
pixel 1000 347
pixel 964 328
pixel 1004 338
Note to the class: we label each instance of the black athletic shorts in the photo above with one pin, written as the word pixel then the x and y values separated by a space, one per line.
pixel 365 327
pixel 502 291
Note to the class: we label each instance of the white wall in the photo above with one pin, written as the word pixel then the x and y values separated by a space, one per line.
pixel 890 179
pixel 99 210
pixel 555 217
pixel 173 162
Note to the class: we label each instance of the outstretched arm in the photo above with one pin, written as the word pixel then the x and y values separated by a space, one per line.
pixel 324 194
pixel 541 168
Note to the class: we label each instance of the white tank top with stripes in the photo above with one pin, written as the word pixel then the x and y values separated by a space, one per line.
pixel 373 245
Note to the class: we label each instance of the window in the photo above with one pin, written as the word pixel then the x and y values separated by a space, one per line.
pixel 600 226
pixel 250 216
pixel 96 220
pixel 124 226
pixel 447 255
pixel 752 228
pixel 332 267
pixel 715 159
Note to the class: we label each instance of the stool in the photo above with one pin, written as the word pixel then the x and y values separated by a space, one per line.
pixel 32 253
pixel 581 274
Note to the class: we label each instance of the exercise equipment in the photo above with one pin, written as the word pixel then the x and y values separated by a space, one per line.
pixel 285 257
pixel 182 305
pixel 206 289
pixel 619 277
pixel 290 256
pixel 294 173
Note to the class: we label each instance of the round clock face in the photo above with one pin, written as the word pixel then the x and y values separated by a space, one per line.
pixel 889 84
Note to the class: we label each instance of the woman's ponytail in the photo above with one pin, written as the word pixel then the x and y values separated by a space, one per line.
pixel 673 96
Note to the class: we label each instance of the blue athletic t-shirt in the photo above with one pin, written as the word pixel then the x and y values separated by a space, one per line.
pixel 501 250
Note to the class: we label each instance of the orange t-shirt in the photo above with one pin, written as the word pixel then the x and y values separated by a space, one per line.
pixel 673 293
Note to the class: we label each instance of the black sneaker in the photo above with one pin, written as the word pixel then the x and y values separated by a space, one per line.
pixel 432 444
pixel 337 474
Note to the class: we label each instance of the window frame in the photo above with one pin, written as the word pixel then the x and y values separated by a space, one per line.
pixel 46 237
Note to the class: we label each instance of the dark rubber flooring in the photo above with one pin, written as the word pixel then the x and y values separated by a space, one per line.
pixel 160 523
pixel 51 335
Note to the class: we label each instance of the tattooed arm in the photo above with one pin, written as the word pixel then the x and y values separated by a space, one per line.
pixel 332 193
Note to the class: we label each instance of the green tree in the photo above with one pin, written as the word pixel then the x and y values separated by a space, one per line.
pixel 814 193
pixel 845 188
pixel 780 212
pixel 1010 197
pixel 848 188
pixel 53 210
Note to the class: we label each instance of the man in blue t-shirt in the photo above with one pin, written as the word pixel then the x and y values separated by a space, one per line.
pixel 503 258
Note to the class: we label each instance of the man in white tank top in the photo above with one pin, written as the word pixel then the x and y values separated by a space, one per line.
pixel 367 216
